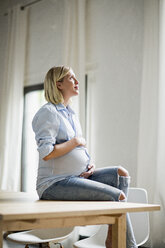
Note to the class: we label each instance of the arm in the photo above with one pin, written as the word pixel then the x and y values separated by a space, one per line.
pixel 63 148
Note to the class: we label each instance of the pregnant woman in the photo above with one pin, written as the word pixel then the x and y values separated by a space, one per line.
pixel 65 169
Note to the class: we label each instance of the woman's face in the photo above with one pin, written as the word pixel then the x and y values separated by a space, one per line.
pixel 69 86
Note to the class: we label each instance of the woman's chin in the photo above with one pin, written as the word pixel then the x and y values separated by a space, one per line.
pixel 76 92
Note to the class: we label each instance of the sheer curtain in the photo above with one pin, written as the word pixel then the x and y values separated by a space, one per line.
pixel 11 101
pixel 74 48
pixel 159 218
pixel 151 152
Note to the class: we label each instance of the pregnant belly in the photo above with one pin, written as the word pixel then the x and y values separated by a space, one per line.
pixel 72 163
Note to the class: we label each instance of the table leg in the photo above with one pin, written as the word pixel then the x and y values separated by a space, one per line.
pixel 119 232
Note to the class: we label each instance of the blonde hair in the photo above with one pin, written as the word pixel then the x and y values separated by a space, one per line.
pixel 54 75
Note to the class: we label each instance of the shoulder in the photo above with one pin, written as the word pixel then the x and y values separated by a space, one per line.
pixel 47 109
pixel 46 113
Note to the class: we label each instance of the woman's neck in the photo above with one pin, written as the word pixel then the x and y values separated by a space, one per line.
pixel 66 101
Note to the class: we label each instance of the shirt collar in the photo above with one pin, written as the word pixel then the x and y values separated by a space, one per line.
pixel 61 106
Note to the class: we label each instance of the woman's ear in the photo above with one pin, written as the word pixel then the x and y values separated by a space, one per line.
pixel 59 85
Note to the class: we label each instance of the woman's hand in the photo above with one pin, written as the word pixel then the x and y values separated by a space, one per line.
pixel 80 141
pixel 86 174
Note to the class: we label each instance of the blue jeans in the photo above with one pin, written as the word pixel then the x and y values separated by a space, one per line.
pixel 104 185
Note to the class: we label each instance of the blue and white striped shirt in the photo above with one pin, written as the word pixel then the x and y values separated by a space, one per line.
pixel 55 124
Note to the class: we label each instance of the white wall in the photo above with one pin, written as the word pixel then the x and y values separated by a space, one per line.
pixel 114 45
pixel 45 39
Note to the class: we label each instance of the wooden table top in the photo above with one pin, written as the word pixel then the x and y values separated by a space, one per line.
pixel 20 205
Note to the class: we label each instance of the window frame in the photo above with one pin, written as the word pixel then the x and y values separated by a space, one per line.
pixel 27 89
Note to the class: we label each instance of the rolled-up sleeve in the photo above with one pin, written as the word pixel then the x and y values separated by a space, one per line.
pixel 45 125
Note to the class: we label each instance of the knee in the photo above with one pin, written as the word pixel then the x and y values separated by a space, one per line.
pixel 123 172
pixel 122 196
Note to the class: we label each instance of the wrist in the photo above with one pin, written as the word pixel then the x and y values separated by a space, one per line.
pixel 75 141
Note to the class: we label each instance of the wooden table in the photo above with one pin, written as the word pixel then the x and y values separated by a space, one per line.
pixel 21 211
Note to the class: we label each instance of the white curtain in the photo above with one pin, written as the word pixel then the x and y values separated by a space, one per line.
pixel 11 101
pixel 159 218
pixel 151 152
pixel 74 48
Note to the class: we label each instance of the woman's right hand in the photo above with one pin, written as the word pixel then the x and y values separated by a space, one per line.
pixel 80 141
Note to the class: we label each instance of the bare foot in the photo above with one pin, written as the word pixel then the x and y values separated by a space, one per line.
pixel 108 242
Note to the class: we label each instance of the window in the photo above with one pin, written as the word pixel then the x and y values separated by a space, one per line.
pixel 33 100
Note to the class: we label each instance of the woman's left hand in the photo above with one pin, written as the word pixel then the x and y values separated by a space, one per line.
pixel 86 174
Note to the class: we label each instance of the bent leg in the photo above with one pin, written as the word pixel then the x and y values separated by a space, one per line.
pixel 130 238
pixel 123 172
pixel 78 188
pixel 117 177
pixel 124 180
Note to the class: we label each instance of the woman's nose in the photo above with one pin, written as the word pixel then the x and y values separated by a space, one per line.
pixel 76 81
